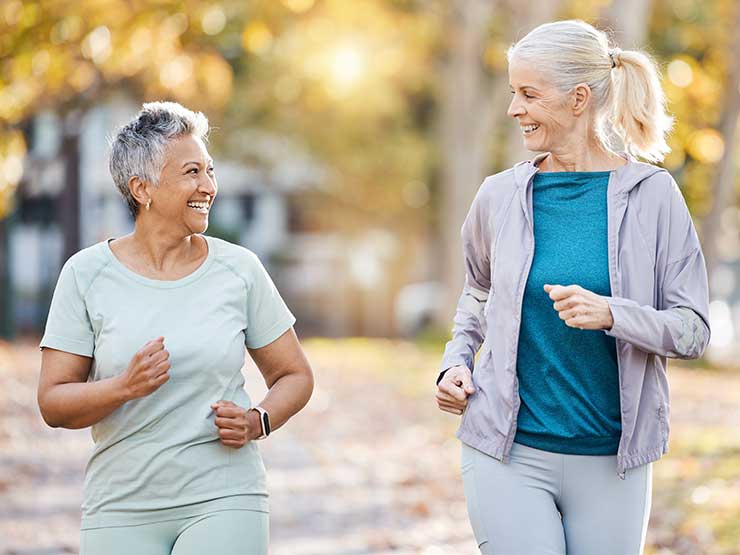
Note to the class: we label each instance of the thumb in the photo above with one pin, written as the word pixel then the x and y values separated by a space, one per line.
pixel 467 383
pixel 548 288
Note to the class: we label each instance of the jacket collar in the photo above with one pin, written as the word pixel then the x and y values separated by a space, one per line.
pixel 625 178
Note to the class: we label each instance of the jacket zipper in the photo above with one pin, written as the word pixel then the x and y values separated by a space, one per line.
pixel 520 300
pixel 613 253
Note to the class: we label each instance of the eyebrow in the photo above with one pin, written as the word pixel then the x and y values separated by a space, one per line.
pixel 210 162
pixel 526 87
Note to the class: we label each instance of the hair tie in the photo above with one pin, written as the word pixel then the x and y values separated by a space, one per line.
pixel 614 56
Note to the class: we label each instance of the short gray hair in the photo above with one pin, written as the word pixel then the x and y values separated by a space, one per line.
pixel 138 147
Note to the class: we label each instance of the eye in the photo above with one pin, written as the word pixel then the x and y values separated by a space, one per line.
pixel 192 170
pixel 211 170
pixel 528 95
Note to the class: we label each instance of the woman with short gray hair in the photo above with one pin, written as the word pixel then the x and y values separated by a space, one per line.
pixel 145 342
pixel 583 274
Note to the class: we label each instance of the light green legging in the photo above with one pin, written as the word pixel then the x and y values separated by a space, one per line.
pixel 230 532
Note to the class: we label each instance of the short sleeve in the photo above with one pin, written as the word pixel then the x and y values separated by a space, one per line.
pixel 267 315
pixel 68 326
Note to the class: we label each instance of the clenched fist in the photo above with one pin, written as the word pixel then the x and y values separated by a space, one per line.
pixel 147 370
pixel 236 425
pixel 580 308
pixel 454 389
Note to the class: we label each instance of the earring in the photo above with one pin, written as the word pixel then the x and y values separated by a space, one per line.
pixel 148 204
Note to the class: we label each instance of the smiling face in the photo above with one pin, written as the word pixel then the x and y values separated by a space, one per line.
pixel 544 113
pixel 187 186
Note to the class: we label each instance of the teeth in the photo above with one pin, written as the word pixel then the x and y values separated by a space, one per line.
pixel 202 206
pixel 529 128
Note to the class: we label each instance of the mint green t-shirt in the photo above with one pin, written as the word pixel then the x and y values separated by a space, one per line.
pixel 160 457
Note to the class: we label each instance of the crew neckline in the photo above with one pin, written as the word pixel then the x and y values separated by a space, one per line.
pixel 161 283
pixel 572 174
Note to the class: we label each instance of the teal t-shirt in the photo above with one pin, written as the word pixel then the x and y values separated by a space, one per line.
pixel 160 457
pixel 568 378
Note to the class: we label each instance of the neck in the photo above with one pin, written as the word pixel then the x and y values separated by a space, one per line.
pixel 584 156
pixel 160 249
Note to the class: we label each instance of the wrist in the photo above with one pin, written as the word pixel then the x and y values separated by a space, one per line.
pixel 120 391
pixel 608 317
pixel 254 424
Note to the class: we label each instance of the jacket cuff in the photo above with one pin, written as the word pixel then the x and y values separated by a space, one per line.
pixel 617 306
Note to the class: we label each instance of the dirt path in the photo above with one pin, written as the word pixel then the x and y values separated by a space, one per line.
pixel 370 467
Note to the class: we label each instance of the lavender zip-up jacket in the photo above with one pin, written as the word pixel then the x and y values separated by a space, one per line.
pixel 659 303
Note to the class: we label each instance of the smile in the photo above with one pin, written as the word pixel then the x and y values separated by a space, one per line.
pixel 529 129
pixel 201 207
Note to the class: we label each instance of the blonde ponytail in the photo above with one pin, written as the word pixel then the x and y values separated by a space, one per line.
pixel 628 98
pixel 639 113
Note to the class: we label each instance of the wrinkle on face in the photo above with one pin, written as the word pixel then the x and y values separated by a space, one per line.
pixel 536 100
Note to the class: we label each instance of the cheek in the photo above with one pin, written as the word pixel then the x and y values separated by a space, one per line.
pixel 553 114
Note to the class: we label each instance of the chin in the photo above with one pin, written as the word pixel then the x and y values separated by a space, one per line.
pixel 199 228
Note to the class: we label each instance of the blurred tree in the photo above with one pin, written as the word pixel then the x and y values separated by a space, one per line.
pixel 401 102
pixel 723 182
pixel 473 83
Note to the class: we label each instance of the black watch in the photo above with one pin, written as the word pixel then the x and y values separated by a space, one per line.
pixel 264 422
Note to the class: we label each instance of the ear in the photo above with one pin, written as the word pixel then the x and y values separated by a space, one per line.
pixel 581 98
pixel 139 190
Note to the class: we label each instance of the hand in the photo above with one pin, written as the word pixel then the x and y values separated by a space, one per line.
pixel 580 308
pixel 236 425
pixel 147 370
pixel 454 388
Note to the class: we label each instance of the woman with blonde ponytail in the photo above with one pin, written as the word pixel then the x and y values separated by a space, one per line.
pixel 584 273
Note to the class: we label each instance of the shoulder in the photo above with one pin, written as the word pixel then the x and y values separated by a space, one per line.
pixel 494 193
pixel 240 260
pixel 659 193
pixel 84 266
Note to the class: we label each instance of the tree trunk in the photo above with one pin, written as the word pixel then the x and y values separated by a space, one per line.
pixel 471 103
pixel 629 21
pixel 6 307
pixel 723 190
pixel 69 199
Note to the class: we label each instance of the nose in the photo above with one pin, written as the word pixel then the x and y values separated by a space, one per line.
pixel 208 185
pixel 515 107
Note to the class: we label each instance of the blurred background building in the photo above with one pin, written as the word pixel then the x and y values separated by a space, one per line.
pixel 349 138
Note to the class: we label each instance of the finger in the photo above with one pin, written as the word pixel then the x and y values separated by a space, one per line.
pixel 451 410
pixel 454 403
pixel 153 346
pixel 161 368
pixel 229 411
pixel 230 434
pixel 158 381
pixel 455 406
pixel 567 314
pixel 222 402
pixel 467 383
pixel 453 390
pixel 233 423
pixel 560 292
pixel 566 303
pixel 157 358
pixel 446 397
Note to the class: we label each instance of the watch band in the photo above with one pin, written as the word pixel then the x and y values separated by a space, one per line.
pixel 264 422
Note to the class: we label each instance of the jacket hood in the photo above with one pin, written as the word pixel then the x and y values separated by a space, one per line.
pixel 625 177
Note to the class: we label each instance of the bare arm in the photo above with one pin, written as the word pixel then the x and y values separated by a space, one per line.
pixel 66 399
pixel 288 376
pixel 289 379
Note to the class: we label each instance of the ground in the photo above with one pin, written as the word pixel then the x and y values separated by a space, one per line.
pixel 371 467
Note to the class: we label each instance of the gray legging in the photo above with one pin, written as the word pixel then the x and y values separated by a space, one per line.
pixel 543 503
